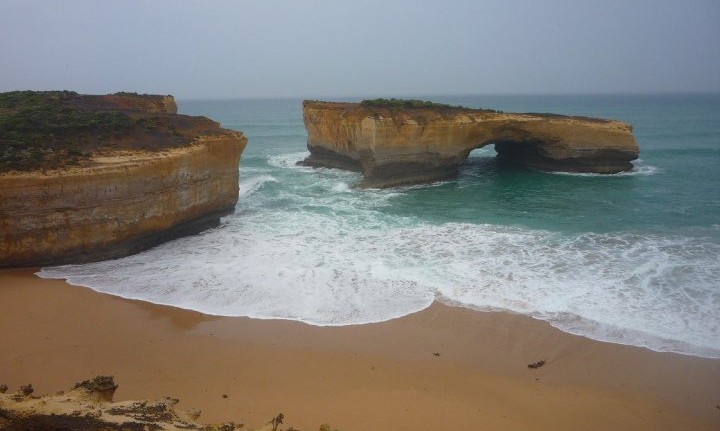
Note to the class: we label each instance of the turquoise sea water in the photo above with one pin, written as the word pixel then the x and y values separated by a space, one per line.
pixel 631 258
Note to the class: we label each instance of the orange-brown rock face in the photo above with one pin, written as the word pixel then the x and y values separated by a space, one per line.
pixel 119 202
pixel 394 146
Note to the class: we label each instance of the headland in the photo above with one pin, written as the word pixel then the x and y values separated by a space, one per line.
pixel 97 177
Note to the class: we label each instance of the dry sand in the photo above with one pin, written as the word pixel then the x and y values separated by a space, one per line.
pixel 370 377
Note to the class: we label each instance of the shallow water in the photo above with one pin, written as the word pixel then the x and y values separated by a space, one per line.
pixel 631 258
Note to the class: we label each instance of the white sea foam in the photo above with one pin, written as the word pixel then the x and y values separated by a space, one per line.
pixel 288 160
pixel 615 287
pixel 310 248
pixel 639 169
pixel 253 184
pixel 341 187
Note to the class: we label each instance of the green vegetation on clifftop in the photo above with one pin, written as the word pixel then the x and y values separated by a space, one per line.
pixel 38 128
pixel 414 104
pixel 50 129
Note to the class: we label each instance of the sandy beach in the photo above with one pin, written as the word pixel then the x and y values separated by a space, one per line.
pixel 442 368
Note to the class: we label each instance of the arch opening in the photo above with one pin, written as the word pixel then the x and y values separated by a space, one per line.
pixel 499 154
pixel 483 151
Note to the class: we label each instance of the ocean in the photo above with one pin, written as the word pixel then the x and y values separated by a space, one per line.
pixel 632 258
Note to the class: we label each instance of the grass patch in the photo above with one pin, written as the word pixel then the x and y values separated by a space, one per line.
pixel 50 129
pixel 39 129
pixel 416 104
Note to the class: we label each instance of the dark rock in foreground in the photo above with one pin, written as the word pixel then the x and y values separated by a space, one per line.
pixel 89 406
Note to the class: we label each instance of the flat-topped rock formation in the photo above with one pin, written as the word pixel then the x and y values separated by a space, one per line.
pixel 87 178
pixel 126 102
pixel 407 142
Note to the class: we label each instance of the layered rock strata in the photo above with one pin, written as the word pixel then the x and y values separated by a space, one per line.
pixel 119 202
pixel 393 145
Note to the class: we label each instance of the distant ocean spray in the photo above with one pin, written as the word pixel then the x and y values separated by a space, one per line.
pixel 632 258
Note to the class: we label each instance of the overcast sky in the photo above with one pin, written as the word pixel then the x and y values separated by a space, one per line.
pixel 269 48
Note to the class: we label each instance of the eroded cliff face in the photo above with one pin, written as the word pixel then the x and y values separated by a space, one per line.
pixel 119 202
pixel 392 146
pixel 123 204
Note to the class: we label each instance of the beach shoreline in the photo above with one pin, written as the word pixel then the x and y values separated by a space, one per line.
pixel 442 368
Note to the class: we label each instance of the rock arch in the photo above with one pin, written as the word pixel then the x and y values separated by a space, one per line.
pixel 395 146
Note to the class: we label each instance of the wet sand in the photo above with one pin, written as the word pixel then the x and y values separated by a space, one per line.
pixel 442 368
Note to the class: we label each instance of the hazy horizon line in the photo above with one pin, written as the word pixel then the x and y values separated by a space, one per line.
pixel 426 96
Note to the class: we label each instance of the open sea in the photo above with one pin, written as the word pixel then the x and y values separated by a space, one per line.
pixel 632 258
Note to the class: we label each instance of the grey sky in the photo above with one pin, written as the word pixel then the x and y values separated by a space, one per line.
pixel 204 49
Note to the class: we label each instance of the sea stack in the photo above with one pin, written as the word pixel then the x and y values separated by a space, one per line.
pixel 400 142
pixel 87 178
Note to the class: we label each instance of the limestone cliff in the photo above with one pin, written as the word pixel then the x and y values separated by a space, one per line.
pixel 151 187
pixel 394 145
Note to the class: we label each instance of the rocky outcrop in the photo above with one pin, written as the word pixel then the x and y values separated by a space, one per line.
pixel 393 145
pixel 89 406
pixel 121 201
